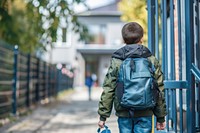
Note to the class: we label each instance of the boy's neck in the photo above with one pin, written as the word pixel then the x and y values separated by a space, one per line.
pixel 134 43
pixel 139 43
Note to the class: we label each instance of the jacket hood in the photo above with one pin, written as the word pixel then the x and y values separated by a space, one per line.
pixel 132 51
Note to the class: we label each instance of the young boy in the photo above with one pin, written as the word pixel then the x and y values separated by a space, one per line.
pixel 141 122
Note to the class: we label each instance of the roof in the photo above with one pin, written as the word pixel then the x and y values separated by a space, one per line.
pixel 98 49
pixel 109 10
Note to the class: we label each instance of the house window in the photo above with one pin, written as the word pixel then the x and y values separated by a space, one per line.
pixel 97 34
pixel 63 37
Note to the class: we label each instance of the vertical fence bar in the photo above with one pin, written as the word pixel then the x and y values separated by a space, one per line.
pixel 45 80
pixel 151 25
pixel 164 53
pixel 37 96
pixel 28 80
pixel 157 30
pixel 172 75
pixel 197 19
pixel 53 81
pixel 14 95
pixel 56 81
pixel 180 65
pixel 198 60
pixel 49 81
pixel 172 65
pixel 189 34
pixel 164 29
pixel 198 107
pixel 59 82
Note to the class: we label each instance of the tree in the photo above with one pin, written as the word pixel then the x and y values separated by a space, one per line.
pixel 33 24
pixel 135 10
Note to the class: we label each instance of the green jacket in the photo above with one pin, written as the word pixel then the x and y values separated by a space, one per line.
pixel 108 96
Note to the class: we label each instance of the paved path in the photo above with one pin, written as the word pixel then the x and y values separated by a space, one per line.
pixel 71 115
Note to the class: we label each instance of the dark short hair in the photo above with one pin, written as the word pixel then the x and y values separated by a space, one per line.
pixel 132 33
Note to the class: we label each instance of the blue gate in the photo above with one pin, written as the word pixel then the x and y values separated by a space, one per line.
pixel 174 38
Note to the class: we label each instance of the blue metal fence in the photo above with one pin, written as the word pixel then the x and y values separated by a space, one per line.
pixel 25 80
pixel 180 44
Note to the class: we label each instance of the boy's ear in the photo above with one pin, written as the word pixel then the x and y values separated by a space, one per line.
pixel 141 40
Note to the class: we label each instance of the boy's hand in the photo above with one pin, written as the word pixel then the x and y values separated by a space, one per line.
pixel 160 126
pixel 101 124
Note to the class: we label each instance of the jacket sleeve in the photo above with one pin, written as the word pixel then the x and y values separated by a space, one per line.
pixel 107 96
pixel 160 108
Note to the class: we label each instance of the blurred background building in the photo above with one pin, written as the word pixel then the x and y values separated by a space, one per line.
pixel 93 55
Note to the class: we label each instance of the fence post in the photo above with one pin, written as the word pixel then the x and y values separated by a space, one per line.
pixel 28 80
pixel 14 94
pixel 49 81
pixel 151 25
pixel 189 41
pixel 55 77
pixel 45 80
pixel 38 81
pixel 59 82
pixel 72 82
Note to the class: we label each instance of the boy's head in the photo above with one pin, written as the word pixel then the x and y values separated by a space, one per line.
pixel 132 33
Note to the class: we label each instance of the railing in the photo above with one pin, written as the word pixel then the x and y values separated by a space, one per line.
pixel 25 80
pixel 196 72
pixel 179 35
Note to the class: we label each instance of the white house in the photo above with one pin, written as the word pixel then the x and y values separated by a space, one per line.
pixel 104 26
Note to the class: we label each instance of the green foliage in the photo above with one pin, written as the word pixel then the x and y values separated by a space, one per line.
pixel 33 24
pixel 135 10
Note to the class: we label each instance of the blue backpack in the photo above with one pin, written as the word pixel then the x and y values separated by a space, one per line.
pixel 136 87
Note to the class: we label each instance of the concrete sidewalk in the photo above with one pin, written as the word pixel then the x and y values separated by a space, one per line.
pixel 74 114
